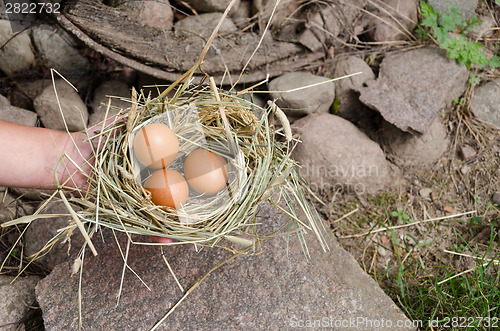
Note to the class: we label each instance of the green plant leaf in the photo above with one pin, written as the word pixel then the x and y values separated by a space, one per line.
pixel 495 61
pixel 458 47
pixel 475 220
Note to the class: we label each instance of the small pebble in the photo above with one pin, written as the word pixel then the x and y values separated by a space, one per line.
pixel 382 251
pixel 465 169
pixel 495 198
pixel 425 192
pixel 467 152
pixel 449 210
pixel 383 240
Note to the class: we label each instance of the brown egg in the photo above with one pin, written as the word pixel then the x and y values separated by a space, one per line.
pixel 168 188
pixel 156 146
pixel 205 171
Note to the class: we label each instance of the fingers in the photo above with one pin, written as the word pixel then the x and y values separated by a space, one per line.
pixel 162 240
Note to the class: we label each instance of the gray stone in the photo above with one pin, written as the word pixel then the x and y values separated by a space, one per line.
pixel 113 90
pixel 336 155
pixel 409 149
pixel 4 101
pixel 318 98
pixel 11 207
pixel 31 194
pixel 414 86
pixel 272 290
pixel 203 25
pixel 157 14
pixel 465 169
pixel 72 107
pixel 425 192
pixel 241 15
pixel 59 51
pixel 42 231
pixel 485 103
pixel 264 8
pixel 495 198
pixel 350 107
pixel 17 298
pixel 467 152
pixel 310 34
pixel 465 7
pixel 17 54
pixel 393 20
pixel 17 115
pixel 207 6
pixel 33 88
pixel 339 15
pixel 485 29
pixel 317 28
pixel 8 206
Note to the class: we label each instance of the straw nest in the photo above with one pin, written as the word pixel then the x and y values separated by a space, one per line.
pixel 259 161
pixel 202 116
pixel 258 154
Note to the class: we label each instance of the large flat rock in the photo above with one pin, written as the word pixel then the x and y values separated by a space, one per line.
pixel 414 86
pixel 275 289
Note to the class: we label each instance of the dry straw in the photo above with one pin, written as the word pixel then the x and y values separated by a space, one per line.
pixel 117 201
pixel 262 163
pixel 263 166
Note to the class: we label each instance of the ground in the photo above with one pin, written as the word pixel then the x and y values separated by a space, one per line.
pixel 410 262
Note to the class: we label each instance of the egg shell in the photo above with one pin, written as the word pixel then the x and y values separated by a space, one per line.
pixel 156 146
pixel 206 172
pixel 168 188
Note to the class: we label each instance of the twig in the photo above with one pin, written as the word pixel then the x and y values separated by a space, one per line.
pixel 171 271
pixel 473 257
pixel 74 216
pixel 214 32
pixel 258 45
pixel 346 215
pixel 407 225
pixel 227 128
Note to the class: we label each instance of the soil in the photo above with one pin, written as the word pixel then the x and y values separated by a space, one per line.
pixel 456 186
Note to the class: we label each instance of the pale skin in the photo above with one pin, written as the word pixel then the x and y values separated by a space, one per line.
pixel 29 157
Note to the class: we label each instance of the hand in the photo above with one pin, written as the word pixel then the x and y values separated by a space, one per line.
pixel 29 156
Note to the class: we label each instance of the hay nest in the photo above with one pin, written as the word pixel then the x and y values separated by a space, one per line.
pixel 258 154
pixel 201 117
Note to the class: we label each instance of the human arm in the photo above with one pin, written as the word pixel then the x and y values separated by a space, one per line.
pixel 30 155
